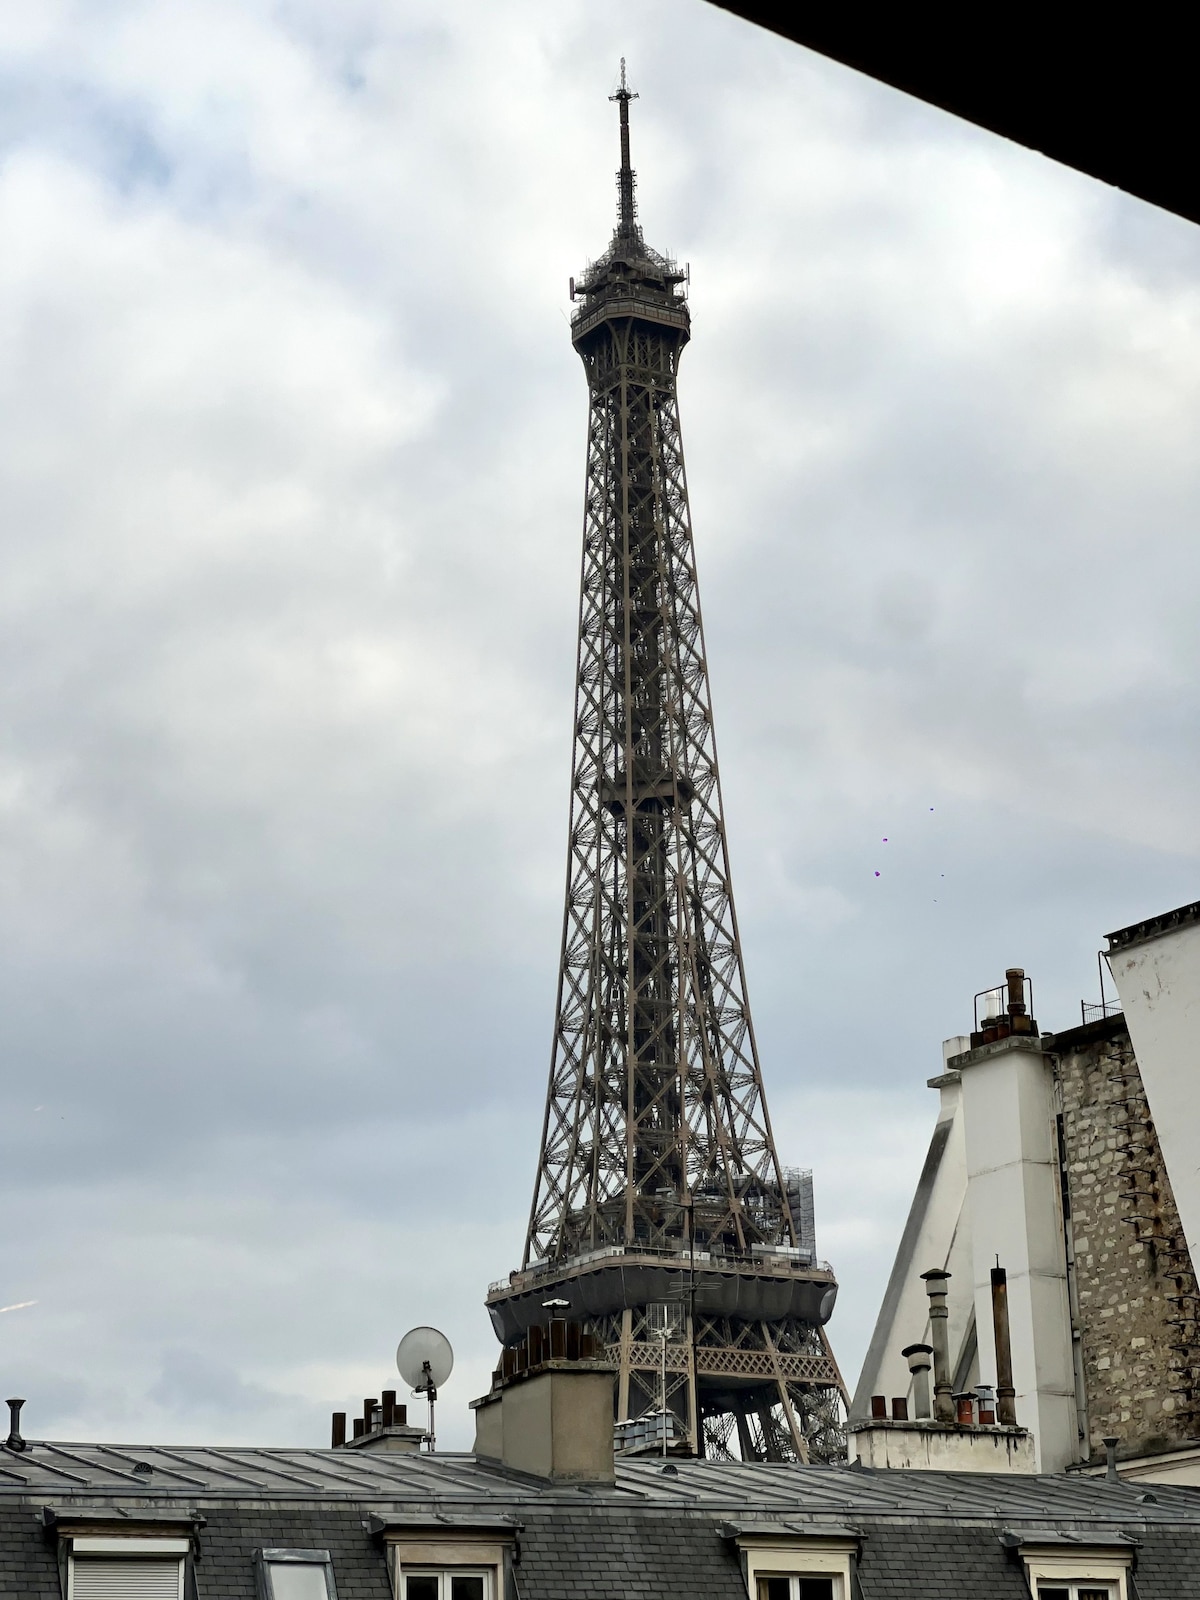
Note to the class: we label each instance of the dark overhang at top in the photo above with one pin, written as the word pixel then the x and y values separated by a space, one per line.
pixel 1154 927
pixel 1115 100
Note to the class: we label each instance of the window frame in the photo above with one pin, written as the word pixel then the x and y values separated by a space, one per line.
pixel 130 1547
pixel 289 1555
pixel 837 1583
pixel 1064 1569
pixel 444 1573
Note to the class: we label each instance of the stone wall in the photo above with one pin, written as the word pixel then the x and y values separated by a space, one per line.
pixel 1134 1289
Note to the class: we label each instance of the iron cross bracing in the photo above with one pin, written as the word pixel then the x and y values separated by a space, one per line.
pixel 659 1181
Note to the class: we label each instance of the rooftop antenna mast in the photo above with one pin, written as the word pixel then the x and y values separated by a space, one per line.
pixel 425 1360
pixel 626 178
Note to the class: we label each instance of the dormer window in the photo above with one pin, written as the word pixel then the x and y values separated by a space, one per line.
pixel 782 1565
pixel 1070 1569
pixel 126 1569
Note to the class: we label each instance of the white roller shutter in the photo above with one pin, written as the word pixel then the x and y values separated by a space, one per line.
pixel 125 1578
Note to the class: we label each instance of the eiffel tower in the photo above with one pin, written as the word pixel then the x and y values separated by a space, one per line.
pixel 661 1214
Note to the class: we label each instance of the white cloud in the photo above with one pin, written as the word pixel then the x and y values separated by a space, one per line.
pixel 290 482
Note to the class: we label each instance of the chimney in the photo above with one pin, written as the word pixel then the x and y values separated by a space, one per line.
pixel 549 1414
pixel 1110 1442
pixel 943 1398
pixel 985 1397
pixel 383 1426
pixel 1006 1409
pixel 917 1356
pixel 14 1440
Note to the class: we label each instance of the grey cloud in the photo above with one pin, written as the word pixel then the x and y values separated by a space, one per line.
pixel 290 491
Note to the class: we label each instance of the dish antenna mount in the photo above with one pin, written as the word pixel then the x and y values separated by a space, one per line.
pixel 425 1360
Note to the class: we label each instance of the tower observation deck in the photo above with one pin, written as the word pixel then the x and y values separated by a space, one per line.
pixel 661 1216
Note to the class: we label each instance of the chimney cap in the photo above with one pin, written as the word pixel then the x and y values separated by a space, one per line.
pixel 936 1275
pixel 917 1350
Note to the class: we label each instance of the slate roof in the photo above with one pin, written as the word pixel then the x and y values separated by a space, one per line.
pixel 655 1533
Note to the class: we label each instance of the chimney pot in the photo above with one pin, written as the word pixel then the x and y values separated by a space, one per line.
pixel 1014 977
pixel 879 1405
pixel 1110 1442
pixel 918 1358
pixel 359 1427
pixel 1006 1406
pixel 900 1409
pixel 388 1401
pixel 935 1281
pixel 339 1430
pixel 965 1409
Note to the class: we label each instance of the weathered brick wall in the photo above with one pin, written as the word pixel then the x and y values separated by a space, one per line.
pixel 1128 1245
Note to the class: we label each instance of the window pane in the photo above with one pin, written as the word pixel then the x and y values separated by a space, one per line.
pixel 421 1586
pixel 1092 1593
pixel 297 1580
pixel 1045 1593
pixel 774 1589
pixel 816 1589
pixel 467 1586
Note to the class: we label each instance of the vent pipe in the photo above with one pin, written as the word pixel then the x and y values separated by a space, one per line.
pixel 918 1356
pixel 1006 1395
pixel 1110 1458
pixel 14 1440
pixel 943 1396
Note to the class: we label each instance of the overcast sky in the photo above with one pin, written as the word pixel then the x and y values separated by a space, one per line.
pixel 291 464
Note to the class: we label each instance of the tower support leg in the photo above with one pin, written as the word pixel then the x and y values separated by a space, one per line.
pixel 623 1372
pixel 799 1443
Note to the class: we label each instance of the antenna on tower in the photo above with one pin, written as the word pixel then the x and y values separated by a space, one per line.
pixel 626 178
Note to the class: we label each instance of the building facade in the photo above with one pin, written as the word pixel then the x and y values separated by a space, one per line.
pixel 1063 1156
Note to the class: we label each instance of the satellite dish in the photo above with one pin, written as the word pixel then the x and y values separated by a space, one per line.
pixel 424 1358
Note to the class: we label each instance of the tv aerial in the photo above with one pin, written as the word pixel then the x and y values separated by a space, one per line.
pixel 425 1360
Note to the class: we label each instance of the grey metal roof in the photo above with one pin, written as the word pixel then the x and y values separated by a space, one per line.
pixel 658 1532
pixel 58 1472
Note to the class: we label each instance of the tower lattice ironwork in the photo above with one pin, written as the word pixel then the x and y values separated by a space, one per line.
pixel 661 1213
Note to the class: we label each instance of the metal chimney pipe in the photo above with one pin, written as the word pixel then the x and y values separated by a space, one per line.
pixel 1006 1395
pixel 339 1430
pixel 1014 977
pixel 14 1440
pixel 917 1356
pixel 1110 1455
pixel 943 1398
pixel 388 1400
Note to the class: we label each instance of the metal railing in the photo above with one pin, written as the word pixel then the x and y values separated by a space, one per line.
pixel 780 1259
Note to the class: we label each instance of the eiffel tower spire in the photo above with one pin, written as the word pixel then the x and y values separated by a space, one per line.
pixel 660 1201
